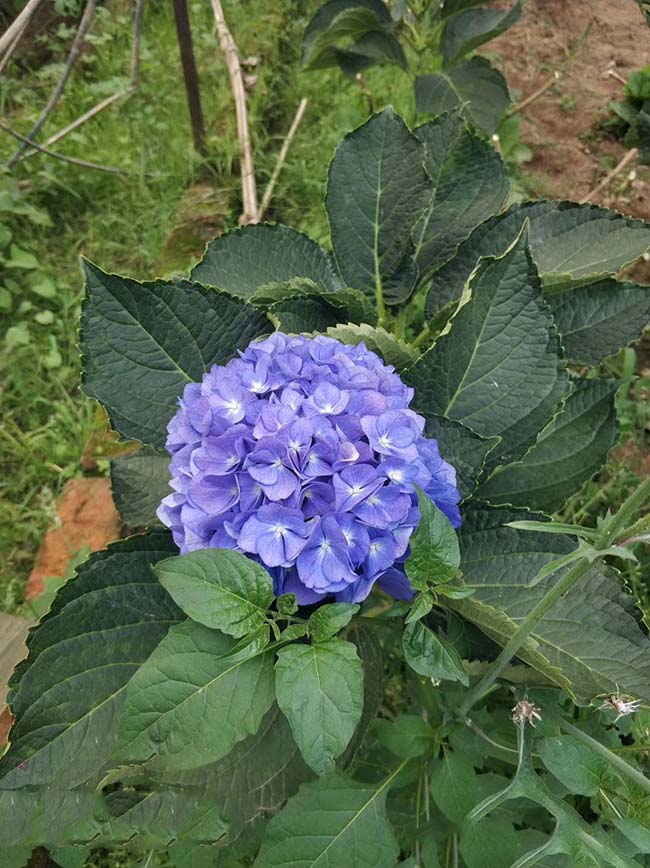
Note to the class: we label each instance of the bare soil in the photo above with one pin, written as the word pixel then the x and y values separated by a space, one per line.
pixel 571 151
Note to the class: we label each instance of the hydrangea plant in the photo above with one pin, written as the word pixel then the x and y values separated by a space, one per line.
pixel 349 462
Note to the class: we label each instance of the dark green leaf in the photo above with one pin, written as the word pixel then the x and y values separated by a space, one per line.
pixel 471 28
pixel 327 620
pixel 636 833
pixel 434 557
pixel 597 320
pixel 456 788
pixel 246 259
pixel 582 771
pixel 589 642
pixel 329 823
pixel 475 88
pixel 219 588
pixel 319 688
pixel 500 359
pixel 139 482
pixel 567 241
pixel 143 342
pixel 465 450
pixel 253 781
pixel 66 696
pixel 393 351
pixel 568 452
pixel 407 736
pixel 430 655
pixel 470 184
pixel 194 699
pixel 376 191
pixel 302 306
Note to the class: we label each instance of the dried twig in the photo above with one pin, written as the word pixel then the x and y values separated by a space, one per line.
pixel 365 90
pixel 190 74
pixel 553 78
pixel 282 156
pixel 18 25
pixel 75 162
pixel 631 155
pixel 109 100
pixel 84 24
pixel 8 54
pixel 229 48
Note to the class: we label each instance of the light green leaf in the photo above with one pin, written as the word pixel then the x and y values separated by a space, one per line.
pixel 475 88
pixel 500 359
pixel 422 605
pixel 66 696
pixel 194 699
pixel 434 557
pixel 139 482
pixel 430 655
pixel 598 319
pixel 376 191
pixel 581 770
pixel 242 261
pixel 393 351
pixel 22 259
pixel 636 833
pixel 568 452
pixel 567 241
pixel 470 184
pixel 407 736
pixel 328 619
pixel 143 342
pixel 220 588
pixel 319 688
pixel 456 787
pixel 465 450
pixel 331 822
pixel 589 643
pixel 466 31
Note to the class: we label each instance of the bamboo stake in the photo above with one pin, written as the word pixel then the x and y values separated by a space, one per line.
pixel 229 48
pixel 607 180
pixel 84 24
pixel 282 156
pixel 190 75
pixel 18 25
pixel 6 57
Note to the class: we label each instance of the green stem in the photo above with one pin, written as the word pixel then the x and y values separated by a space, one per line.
pixel 526 627
pixel 620 520
pixel 421 338
pixel 633 774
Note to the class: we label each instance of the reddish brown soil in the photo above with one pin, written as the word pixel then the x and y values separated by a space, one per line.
pixel 86 516
pixel 571 153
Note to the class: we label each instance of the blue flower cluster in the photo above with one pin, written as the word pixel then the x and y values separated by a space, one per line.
pixel 303 454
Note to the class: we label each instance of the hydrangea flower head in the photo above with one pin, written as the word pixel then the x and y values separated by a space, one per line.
pixel 303 454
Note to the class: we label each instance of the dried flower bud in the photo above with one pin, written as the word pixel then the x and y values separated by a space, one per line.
pixel 525 712
pixel 622 705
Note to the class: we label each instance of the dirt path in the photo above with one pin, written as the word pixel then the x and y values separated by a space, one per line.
pixel 571 153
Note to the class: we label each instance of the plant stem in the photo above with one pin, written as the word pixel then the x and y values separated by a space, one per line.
pixel 633 774
pixel 524 630
pixel 621 519
pixel 421 338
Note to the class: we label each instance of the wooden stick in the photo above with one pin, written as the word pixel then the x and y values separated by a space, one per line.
pixel 109 100
pixel 75 162
pixel 77 45
pixel 190 75
pixel 229 48
pixel 18 25
pixel 282 156
pixel 6 57
pixel 631 155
